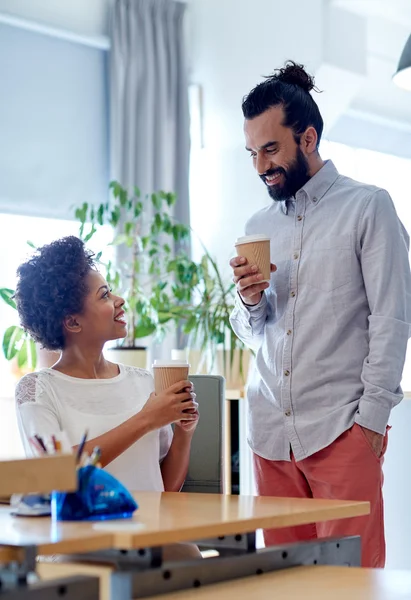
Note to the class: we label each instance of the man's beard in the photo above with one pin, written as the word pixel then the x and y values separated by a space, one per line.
pixel 295 177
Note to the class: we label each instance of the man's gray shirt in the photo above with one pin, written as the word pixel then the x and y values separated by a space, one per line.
pixel 330 334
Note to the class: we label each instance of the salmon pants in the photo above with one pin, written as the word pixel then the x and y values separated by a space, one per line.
pixel 348 469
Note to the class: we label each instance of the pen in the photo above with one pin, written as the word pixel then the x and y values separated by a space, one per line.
pixel 41 443
pixel 53 439
pixel 95 456
pixel 81 447
pixel 33 441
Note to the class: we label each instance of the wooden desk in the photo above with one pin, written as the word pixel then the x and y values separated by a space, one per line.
pixel 173 517
pixel 309 583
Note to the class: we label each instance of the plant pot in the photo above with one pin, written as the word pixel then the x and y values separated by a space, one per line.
pixel 134 357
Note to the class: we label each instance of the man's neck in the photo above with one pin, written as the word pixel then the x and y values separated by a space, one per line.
pixel 315 164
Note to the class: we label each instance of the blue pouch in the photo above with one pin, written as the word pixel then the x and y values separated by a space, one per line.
pixel 100 496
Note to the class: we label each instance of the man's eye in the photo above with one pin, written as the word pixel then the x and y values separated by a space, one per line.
pixel 253 154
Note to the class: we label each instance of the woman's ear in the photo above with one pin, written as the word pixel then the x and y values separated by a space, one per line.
pixel 71 324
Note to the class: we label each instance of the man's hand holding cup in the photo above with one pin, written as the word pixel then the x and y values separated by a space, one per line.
pixel 252 267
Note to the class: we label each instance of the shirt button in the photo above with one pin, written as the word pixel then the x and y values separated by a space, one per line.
pixel 315 199
pixel 295 255
pixel 299 218
pixel 288 413
pixel 286 373
pixel 292 294
pixel 289 332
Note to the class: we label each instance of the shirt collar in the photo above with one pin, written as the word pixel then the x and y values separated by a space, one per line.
pixel 320 183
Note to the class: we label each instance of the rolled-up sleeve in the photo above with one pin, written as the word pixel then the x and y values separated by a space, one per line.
pixel 383 249
pixel 248 322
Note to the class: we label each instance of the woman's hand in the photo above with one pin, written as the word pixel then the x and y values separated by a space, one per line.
pixel 189 425
pixel 175 404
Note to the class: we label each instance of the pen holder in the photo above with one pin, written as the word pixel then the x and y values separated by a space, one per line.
pixel 99 497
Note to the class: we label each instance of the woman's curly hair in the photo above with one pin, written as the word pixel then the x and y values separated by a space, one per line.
pixel 51 286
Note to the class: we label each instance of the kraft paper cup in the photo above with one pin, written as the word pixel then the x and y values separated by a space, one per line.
pixel 166 373
pixel 256 249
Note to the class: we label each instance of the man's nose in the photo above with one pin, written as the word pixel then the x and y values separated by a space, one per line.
pixel 263 164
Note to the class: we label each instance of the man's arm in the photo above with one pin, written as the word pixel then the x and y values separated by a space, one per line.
pixel 384 246
pixel 251 309
pixel 248 322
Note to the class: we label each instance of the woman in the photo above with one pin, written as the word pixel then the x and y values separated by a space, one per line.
pixel 65 304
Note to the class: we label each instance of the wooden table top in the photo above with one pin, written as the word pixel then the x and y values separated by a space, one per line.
pixel 165 518
pixel 308 583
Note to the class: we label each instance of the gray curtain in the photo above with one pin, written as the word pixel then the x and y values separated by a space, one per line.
pixel 149 120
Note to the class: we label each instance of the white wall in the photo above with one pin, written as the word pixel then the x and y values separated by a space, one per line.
pixel 397 489
pixel 232 45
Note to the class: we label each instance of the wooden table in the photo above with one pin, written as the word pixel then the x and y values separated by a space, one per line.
pixel 164 518
pixel 308 583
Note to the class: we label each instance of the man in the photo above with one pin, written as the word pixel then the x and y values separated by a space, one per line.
pixel 330 330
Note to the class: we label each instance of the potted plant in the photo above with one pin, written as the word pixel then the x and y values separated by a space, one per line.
pixel 152 270
pixel 209 330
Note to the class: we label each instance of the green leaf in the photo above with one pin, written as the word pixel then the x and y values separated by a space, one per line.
pixel 190 324
pixel 170 199
pixel 116 188
pixel 123 197
pixel 137 192
pixel 22 355
pixel 156 201
pixel 138 209
pixel 31 244
pixel 11 339
pixel 158 221
pixel 115 216
pixel 90 234
pixel 7 295
pixel 100 214
pixel 128 228
pixel 166 248
pixel 121 238
pixel 144 329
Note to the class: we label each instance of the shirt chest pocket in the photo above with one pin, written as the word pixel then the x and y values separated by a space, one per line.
pixel 328 263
